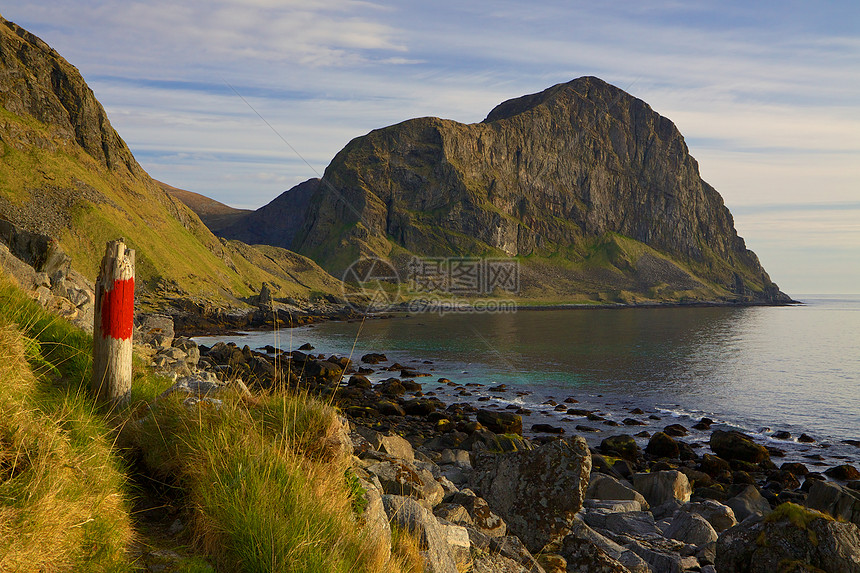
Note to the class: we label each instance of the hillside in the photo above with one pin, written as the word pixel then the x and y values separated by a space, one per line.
pixel 593 192
pixel 215 215
pixel 67 174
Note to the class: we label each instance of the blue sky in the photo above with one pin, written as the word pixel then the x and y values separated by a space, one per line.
pixel 767 94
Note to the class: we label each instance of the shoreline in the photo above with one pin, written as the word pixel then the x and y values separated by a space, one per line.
pixel 603 415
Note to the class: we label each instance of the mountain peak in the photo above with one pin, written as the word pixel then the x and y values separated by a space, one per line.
pixel 585 87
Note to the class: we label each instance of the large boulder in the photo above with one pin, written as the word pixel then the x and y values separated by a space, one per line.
pixel 393 445
pixel 606 487
pixel 623 446
pixel 663 486
pixel 501 422
pixel 662 445
pixel 408 514
pixel 401 478
pixel 791 538
pixel 536 492
pixel 749 502
pixel 587 551
pixel 479 513
pixel 720 516
pixel 734 445
pixel 691 528
pixel 837 500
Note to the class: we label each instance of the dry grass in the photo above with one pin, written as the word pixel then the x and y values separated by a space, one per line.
pixel 61 506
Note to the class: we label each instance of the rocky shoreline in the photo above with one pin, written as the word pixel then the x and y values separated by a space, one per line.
pixel 482 496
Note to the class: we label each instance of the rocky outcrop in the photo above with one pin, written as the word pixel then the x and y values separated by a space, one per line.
pixel 578 169
pixel 536 492
pixel 795 540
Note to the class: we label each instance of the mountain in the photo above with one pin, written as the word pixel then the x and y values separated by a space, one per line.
pixel 215 215
pixel 65 173
pixel 592 192
pixel 277 223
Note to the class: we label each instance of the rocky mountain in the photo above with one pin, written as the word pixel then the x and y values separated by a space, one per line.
pixel 592 191
pixel 66 174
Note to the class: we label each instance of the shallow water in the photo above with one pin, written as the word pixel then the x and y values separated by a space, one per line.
pixel 760 369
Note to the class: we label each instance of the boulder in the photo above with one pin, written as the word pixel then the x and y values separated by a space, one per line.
pixel 662 445
pixel 837 500
pixel 749 502
pixel 155 330
pixel 479 512
pixel 495 563
pixel 399 478
pixel 458 540
pixel 623 446
pixel 587 551
pixel 659 487
pixel 536 492
pixel 373 518
pixel 408 514
pixel 606 487
pixel 734 445
pixel 691 528
pixel 511 547
pixel 373 358
pixel 501 422
pixel 845 472
pixel 720 516
pixel 792 538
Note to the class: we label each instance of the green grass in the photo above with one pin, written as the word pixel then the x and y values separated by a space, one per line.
pixel 62 489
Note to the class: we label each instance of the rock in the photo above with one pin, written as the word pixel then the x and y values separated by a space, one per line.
pixel 155 330
pixel 374 358
pixel 662 486
pixel 790 539
pixel 659 553
pixel 734 445
pixel 606 487
pixel 547 429
pixel 374 518
pixel 458 540
pixel 713 465
pixel 399 478
pixel 720 516
pixel 495 563
pixel 836 500
pixel 195 386
pixel 511 547
pixel 501 422
pixel 781 435
pixel 411 516
pixel 845 472
pixel 691 528
pixel 455 456
pixel 623 446
pixel 749 502
pixel 587 551
pixel 552 563
pixel 612 506
pixel 419 407
pixel 480 514
pixel 797 469
pixel 388 408
pixel 359 381
pixel 662 445
pixel 536 492
pixel 675 430
pixel 806 439
pixel 453 512
pixel 632 523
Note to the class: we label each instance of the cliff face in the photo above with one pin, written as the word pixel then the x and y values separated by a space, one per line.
pixel 66 173
pixel 578 170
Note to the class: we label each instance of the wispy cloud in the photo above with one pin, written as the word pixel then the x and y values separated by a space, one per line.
pixel 766 94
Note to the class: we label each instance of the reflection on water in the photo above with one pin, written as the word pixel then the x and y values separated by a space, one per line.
pixel 797 368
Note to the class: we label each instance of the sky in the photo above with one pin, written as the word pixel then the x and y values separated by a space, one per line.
pixel 241 100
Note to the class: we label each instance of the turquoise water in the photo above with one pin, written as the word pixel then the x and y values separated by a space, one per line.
pixel 760 369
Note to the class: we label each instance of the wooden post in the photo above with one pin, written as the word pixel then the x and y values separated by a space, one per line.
pixel 113 324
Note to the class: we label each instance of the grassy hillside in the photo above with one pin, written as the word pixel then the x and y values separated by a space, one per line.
pixel 65 173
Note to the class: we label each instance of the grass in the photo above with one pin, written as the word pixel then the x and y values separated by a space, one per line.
pixel 62 500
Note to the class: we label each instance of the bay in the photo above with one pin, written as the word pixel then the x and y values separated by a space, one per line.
pixel 758 369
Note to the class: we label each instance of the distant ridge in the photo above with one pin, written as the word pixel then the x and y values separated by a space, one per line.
pixel 214 215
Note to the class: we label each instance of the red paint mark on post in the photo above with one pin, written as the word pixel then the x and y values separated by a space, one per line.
pixel 118 310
